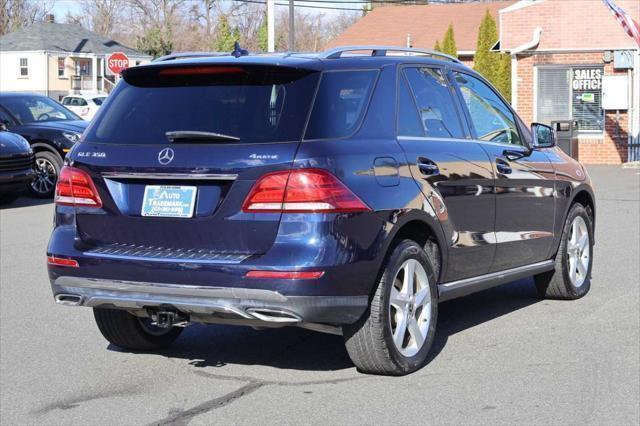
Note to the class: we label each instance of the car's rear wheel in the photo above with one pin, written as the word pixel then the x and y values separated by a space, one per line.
pixel 47 169
pixel 128 331
pixel 395 335
pixel 571 277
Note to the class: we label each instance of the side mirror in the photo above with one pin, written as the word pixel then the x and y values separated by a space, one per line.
pixel 542 136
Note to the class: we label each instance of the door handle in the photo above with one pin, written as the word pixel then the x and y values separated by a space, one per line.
pixel 428 167
pixel 503 167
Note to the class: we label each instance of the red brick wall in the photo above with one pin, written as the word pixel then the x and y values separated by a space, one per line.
pixel 594 150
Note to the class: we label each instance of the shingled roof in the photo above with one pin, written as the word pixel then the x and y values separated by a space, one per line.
pixel 389 25
pixel 50 36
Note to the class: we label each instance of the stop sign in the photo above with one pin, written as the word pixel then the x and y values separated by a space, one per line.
pixel 117 62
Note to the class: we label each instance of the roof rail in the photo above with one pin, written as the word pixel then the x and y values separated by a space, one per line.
pixel 337 52
pixel 186 55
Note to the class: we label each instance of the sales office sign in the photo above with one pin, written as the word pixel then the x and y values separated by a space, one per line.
pixel 587 79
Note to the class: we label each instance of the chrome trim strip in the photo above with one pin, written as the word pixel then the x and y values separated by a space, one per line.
pixel 175 176
pixel 237 259
pixel 180 290
pixel 467 286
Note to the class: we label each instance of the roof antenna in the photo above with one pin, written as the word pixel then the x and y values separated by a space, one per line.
pixel 238 51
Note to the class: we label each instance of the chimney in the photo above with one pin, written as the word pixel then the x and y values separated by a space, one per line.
pixel 49 18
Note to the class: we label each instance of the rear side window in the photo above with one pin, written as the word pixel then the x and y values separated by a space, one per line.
pixel 98 101
pixel 340 103
pixel 408 120
pixel 253 103
pixel 436 106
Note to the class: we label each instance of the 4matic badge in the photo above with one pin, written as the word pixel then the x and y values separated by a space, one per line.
pixel 264 156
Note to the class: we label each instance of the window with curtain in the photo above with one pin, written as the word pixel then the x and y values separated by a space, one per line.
pixel 566 93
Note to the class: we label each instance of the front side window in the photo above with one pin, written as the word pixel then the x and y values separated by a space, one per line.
pixel 24 67
pixel 340 103
pixel 490 116
pixel 436 106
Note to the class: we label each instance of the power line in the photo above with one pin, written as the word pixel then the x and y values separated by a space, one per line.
pixel 363 2
pixel 299 5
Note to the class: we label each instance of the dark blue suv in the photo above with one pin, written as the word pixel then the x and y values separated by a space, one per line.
pixel 346 192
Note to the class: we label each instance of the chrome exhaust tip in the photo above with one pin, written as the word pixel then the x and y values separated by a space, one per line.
pixel 274 315
pixel 68 299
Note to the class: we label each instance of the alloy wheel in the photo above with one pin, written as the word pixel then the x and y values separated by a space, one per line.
pixel 46 176
pixel 578 251
pixel 410 308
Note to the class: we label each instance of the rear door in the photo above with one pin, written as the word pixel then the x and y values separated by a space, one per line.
pixel 524 185
pixel 454 172
pixel 184 190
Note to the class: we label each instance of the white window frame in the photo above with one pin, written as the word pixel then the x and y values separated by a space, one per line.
pixel 20 67
pixel 64 67
pixel 586 134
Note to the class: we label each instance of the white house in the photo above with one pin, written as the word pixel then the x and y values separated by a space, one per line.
pixel 58 59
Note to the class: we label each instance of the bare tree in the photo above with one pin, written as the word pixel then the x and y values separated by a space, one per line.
pixel 15 14
pixel 337 25
pixel 100 16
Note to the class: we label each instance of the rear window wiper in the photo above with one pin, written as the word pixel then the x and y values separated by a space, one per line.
pixel 194 135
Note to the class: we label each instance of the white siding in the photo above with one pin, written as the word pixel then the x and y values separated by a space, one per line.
pixel 10 79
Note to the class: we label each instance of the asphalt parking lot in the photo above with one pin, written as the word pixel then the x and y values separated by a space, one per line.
pixel 501 356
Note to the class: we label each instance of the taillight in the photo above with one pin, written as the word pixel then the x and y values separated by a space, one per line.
pixel 302 190
pixel 84 111
pixel 62 261
pixel 75 187
pixel 200 70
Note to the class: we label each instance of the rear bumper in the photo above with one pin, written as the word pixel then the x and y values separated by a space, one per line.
pixel 205 303
pixel 15 181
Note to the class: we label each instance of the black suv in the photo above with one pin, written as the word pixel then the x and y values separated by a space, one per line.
pixel 50 129
pixel 347 192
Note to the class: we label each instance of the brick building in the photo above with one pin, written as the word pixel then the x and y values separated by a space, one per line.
pixel 571 60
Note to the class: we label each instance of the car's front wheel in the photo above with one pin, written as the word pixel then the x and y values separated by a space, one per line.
pixel 395 335
pixel 47 169
pixel 128 331
pixel 571 277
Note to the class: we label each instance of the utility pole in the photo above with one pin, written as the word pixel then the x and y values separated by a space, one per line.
pixel 271 31
pixel 291 27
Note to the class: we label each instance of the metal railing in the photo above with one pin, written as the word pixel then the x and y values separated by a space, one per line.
pixel 85 82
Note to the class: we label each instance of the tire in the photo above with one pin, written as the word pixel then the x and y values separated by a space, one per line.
pixel 370 341
pixel 48 167
pixel 127 331
pixel 571 278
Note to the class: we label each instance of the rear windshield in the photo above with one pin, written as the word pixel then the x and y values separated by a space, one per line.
pixel 253 104
pixel 98 101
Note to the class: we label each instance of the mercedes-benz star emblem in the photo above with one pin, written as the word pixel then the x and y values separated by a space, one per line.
pixel 165 156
